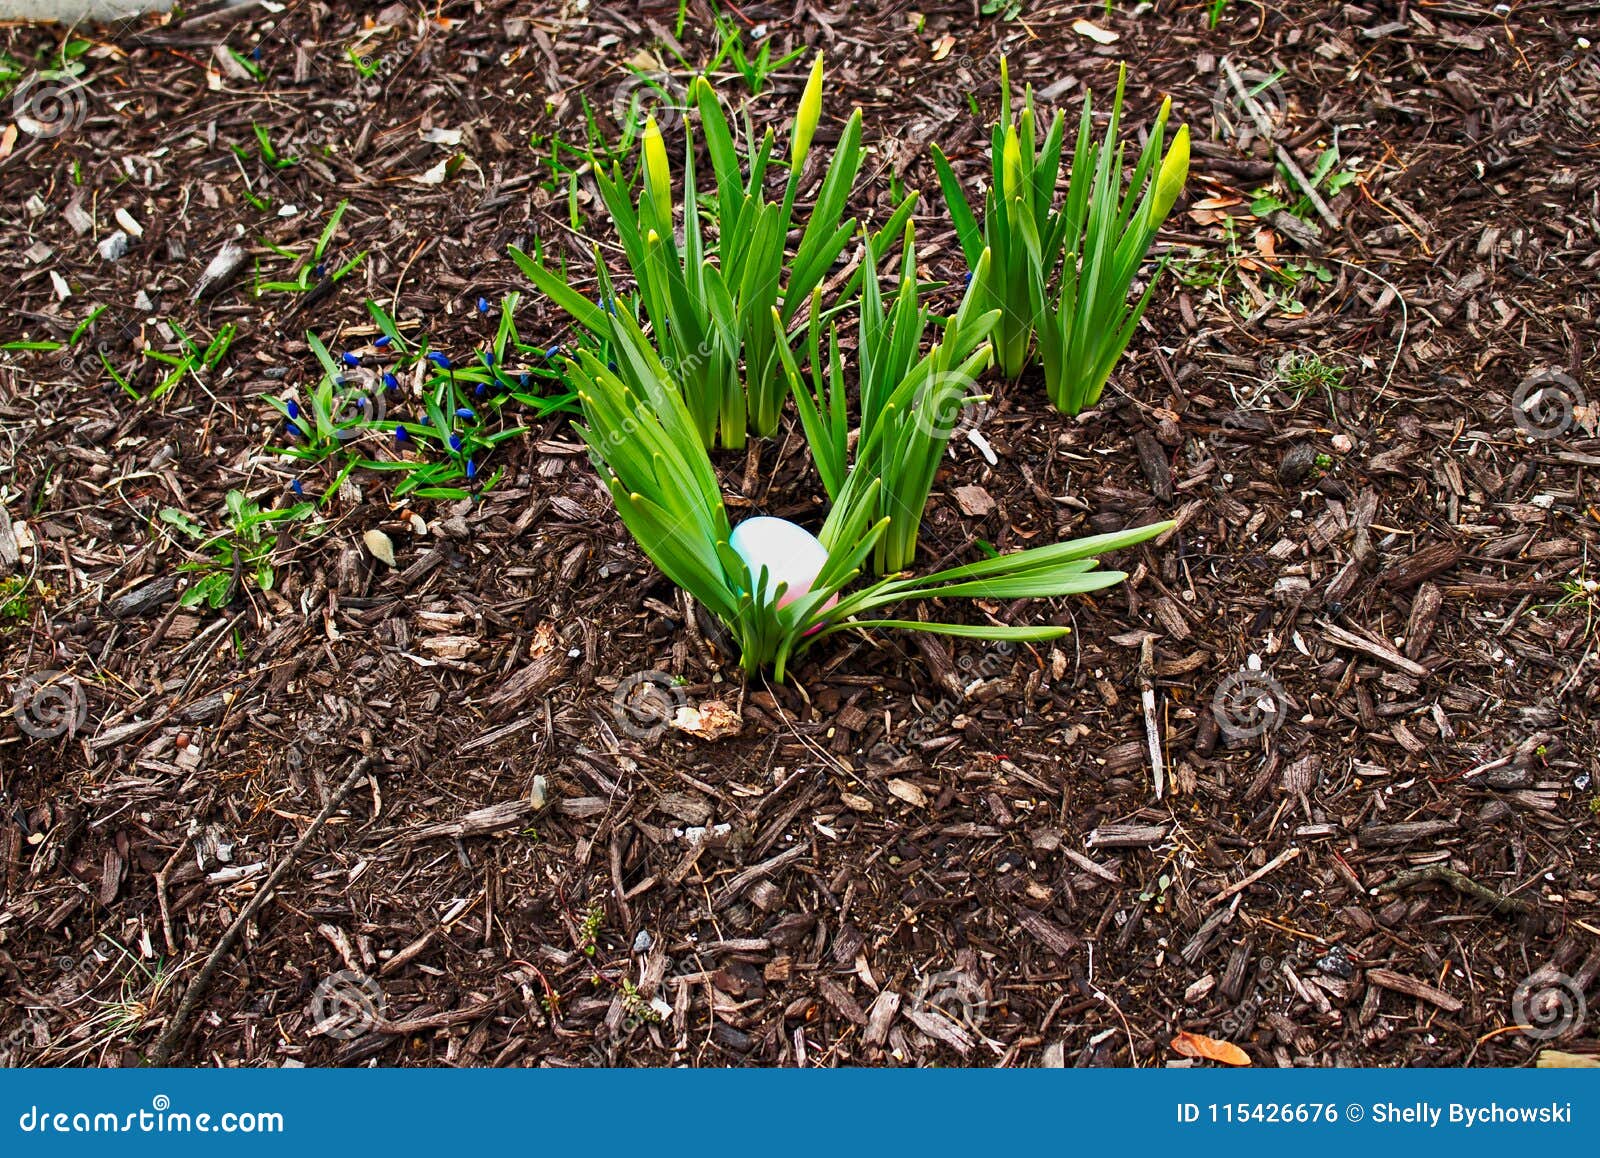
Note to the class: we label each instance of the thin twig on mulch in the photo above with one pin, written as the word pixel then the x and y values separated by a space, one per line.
pixel 1445 875
pixel 197 987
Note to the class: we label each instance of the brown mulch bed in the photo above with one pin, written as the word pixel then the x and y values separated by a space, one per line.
pixel 913 853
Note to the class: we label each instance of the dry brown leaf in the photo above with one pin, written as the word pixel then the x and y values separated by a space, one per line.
pixel 1095 33
pixel 943 46
pixel 974 500
pixel 712 720
pixel 908 792
pixel 1199 1045
pixel 379 546
pixel 1556 1059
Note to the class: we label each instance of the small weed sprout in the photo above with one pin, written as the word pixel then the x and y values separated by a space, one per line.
pixel 241 551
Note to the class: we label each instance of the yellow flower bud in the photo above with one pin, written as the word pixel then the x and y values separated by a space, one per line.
pixel 1011 165
pixel 805 121
pixel 657 176
pixel 1005 91
pixel 1174 172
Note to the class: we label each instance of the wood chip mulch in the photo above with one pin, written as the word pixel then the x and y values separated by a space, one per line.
pixel 914 853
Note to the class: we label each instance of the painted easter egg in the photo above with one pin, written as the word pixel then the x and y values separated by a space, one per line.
pixel 790 553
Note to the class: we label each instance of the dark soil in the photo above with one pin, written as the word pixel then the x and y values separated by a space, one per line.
pixel 913 853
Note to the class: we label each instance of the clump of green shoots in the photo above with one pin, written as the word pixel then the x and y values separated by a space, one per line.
pixel 1065 274
pixel 461 410
pixel 16 602
pixel 908 402
pixel 644 441
pixel 307 270
pixel 240 552
pixel 710 302
pixel 1020 227
pixel 1086 323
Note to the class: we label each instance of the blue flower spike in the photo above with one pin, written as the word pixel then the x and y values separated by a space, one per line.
pixel 483 305
pixel 400 434
pixel 294 485
pixel 463 412
pixel 381 342
pixel 455 442
pixel 438 359
pixel 293 408
pixel 390 382
pixel 472 469
pixel 350 358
